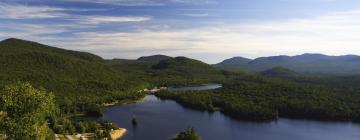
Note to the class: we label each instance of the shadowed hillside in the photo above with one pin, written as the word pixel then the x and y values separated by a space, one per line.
pixel 279 72
pixel 169 71
pixel 154 58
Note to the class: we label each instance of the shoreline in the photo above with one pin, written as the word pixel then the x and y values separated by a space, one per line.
pixel 118 133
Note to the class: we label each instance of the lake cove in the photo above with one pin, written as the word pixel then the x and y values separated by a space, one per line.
pixel 161 119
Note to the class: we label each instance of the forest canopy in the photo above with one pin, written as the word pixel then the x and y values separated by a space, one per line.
pixel 25 111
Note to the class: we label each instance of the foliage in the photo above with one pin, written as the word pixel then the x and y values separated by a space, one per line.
pixel 178 71
pixel 154 58
pixel 25 111
pixel 279 72
pixel 80 81
pixel 251 97
pixel 188 134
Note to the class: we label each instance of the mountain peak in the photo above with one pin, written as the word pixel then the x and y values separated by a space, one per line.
pixel 311 55
pixel 240 58
pixel 179 62
pixel 154 58
pixel 238 61
pixel 15 40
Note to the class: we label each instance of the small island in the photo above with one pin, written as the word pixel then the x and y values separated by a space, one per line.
pixel 134 121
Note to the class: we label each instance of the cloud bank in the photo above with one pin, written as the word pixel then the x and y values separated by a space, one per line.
pixel 131 36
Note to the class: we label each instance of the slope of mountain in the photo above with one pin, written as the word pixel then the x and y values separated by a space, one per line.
pixel 279 72
pixel 235 61
pixel 154 58
pixel 70 75
pixel 169 71
pixel 31 61
pixel 306 63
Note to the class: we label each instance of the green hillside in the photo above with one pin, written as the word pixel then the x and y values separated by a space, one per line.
pixel 70 75
pixel 234 62
pixel 185 71
pixel 170 71
pixel 279 72
pixel 154 58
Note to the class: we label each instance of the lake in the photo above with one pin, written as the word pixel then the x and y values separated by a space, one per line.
pixel 203 87
pixel 161 119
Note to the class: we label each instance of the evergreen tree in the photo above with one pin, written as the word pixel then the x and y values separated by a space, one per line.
pixel 188 134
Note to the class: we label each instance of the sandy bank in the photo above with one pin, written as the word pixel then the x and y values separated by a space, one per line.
pixel 118 134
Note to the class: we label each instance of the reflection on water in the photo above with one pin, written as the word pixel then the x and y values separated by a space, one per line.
pixel 160 120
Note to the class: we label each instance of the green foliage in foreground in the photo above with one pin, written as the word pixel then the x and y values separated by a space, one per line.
pixel 24 112
pixel 188 134
pixel 29 113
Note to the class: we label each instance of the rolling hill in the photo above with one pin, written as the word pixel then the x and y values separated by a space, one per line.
pixel 168 70
pixel 79 80
pixel 279 72
pixel 22 60
pixel 154 58
pixel 305 63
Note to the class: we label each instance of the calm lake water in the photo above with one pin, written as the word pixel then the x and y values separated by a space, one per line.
pixel 161 119
pixel 204 87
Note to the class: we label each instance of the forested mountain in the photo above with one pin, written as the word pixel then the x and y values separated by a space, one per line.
pixel 81 82
pixel 154 58
pixel 279 72
pixel 234 62
pixel 69 74
pixel 306 63
pixel 169 71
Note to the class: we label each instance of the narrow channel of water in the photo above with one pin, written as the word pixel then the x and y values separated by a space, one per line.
pixel 204 87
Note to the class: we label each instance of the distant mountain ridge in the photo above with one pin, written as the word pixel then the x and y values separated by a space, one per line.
pixel 305 63
pixel 21 50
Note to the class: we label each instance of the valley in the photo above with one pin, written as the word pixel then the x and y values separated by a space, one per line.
pixel 84 85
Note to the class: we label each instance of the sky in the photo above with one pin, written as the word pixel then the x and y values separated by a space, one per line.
pixel 208 30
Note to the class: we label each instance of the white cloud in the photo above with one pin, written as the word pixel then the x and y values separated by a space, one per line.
pixel 195 14
pixel 333 34
pixel 330 34
pixel 111 19
pixel 34 30
pixel 145 2
pixel 17 11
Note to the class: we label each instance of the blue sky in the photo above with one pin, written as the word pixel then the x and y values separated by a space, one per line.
pixel 209 30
